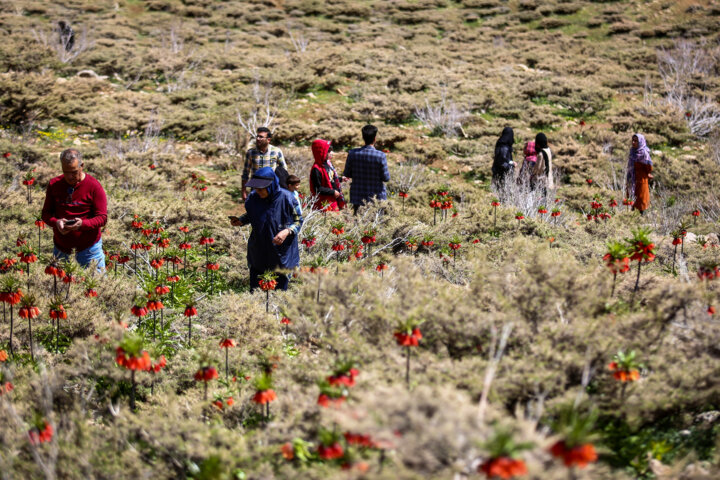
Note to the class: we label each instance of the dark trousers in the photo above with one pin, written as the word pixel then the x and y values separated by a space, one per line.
pixel 282 280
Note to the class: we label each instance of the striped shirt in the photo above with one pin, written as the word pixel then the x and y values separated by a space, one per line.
pixel 254 160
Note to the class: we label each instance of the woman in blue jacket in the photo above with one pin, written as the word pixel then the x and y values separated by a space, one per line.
pixel 276 218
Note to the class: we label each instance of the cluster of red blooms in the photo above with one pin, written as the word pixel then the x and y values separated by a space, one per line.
pixel 308 241
pixel 154 305
pixel 627 202
pixel 38 435
pixel 503 467
pixel 613 203
pixel 264 396
pixel 402 194
pixel 325 400
pixel 7 264
pixel 206 240
pixel 141 246
pixel 427 243
pixel 595 205
pixel 643 252
pixel 708 273
pixel 330 452
pixel 58 312
pixel 266 285
pixel 555 213
pixel 346 379
pixel 190 311
pixel 617 265
pixel 156 263
pixel 172 278
pixel 29 182
pixel 589 181
pixel 495 203
pixel 454 246
pixel 205 374
pixel 696 213
pixel 285 321
pixel 368 237
pixel 220 404
pixel 623 375
pixel 161 363
pixel 338 246
pixel 29 311
pixel 184 246
pixel 28 257
pixel 519 216
pixel 381 267
pixel 131 362
pixel 359 440
pixel 90 293
pixel 579 455
pixel 138 311
pixel 212 266
pixel 40 224
pixel 542 211
pixel 405 339
pixel 338 230
pixel 11 298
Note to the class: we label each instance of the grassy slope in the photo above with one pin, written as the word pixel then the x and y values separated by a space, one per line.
pixel 531 65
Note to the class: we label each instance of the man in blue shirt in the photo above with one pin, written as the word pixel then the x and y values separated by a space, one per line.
pixel 367 167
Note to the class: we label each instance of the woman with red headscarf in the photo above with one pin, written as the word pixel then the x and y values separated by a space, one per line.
pixel 324 181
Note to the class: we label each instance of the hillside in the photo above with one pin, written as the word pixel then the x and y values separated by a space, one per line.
pixel 527 339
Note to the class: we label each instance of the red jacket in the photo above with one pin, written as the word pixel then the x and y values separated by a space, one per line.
pixel 86 200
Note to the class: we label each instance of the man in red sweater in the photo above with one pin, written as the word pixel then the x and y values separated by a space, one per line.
pixel 76 209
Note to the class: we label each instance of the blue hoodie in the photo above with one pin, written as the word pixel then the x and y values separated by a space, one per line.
pixel 268 216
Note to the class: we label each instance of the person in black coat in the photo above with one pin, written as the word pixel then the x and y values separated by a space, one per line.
pixel 503 164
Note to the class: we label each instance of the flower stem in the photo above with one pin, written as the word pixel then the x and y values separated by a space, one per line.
pixel 267 301
pixel 612 294
pixel 12 350
pixel 227 371
pixel 32 353
pixel 132 391
pixel 407 366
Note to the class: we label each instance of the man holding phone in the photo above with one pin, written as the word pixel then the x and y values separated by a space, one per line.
pixel 76 209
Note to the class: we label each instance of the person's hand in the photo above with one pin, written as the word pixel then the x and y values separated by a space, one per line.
pixel 337 194
pixel 235 222
pixel 61 226
pixel 244 194
pixel 71 227
pixel 281 236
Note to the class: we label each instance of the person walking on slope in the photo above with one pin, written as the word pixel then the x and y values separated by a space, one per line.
pixel 261 155
pixel 324 181
pixel 76 209
pixel 639 172
pixel 275 217
pixel 367 167
pixel 503 165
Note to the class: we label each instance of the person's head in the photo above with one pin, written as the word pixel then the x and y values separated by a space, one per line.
pixel 635 141
pixel 262 137
pixel 321 150
pixel 369 132
pixel 264 182
pixel 507 137
pixel 541 142
pixel 293 183
pixel 72 166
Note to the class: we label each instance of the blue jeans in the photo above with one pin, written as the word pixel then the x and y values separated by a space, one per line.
pixel 85 257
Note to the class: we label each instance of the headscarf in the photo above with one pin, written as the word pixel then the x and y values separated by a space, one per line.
pixel 640 155
pixel 541 142
pixel 320 149
pixel 506 138
pixel 274 188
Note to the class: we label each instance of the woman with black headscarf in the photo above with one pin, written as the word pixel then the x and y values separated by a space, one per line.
pixel 541 175
pixel 503 165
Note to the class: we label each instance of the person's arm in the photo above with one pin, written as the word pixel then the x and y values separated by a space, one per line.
pixel 100 211
pixel 316 178
pixel 297 219
pixel 244 219
pixel 246 172
pixel 347 172
pixel 281 160
pixel 386 172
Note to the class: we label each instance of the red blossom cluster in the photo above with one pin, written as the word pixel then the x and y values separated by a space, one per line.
pixel 330 452
pixel 38 435
pixel 631 375
pixel 503 467
pixel 205 374
pixel 132 362
pixel 308 241
pixel 405 339
pixel 264 396
pixel 617 265
pixel 266 285
pixel 579 455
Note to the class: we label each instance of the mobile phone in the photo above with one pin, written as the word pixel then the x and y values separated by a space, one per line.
pixel 72 221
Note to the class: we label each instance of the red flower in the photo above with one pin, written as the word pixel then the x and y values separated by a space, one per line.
pixel 7 154
pixel 613 203
pixel 542 211
pixel 206 240
pixel 589 181
pixel 156 263
pixel 326 401
pixel 131 362
pixel 264 396
pixel 173 278
pixel 454 246
pixel 503 467
pixel 227 343
pixel 288 451
pixel 696 213
pixel 519 217
pixel 402 194
pixel 582 123
pixel 29 182
pixel 190 311
pixel 619 265
pixel 185 246
pixel 162 289
pixel 29 312
pixel 623 375
pixel 580 455
pixel 3 356
pixel 138 311
pixel 91 293
pixel 212 266
pixel 711 310
pixel 331 452
pixel 40 224
pixel 267 285
pixel 285 321
pixel 495 204
pixel 38 436
pixel 205 374
pixel 359 440
pixel 156 367
pixel 405 339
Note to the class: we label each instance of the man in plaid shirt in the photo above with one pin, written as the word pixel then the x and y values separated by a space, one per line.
pixel 262 155
pixel 368 169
